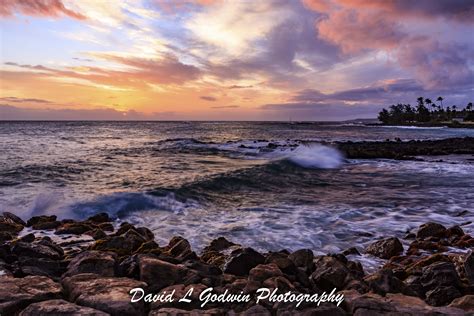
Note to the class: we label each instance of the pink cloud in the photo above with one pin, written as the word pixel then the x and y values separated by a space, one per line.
pixel 50 8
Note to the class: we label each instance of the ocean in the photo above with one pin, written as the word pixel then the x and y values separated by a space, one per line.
pixel 268 185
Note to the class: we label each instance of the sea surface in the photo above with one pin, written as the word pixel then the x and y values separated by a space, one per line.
pixel 267 185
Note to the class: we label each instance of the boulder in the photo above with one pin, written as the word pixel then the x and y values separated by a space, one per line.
pixel 122 245
pixel 264 271
pixel 42 266
pixel 10 227
pixel 384 281
pixel 430 229
pixel 40 249
pixel 59 308
pixel 386 248
pixel 442 295
pixel 97 262
pixel 110 295
pixel 282 262
pixel 13 218
pixel 439 274
pixel 99 218
pixel 303 258
pixel 74 228
pixel 160 274
pixel 469 268
pixel 465 303
pixel 331 273
pixel 180 249
pixel 241 261
pixel 41 219
pixel 17 293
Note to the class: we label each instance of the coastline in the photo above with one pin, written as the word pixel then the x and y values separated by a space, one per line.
pixel 89 268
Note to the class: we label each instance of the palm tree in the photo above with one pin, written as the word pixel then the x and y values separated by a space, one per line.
pixel 428 102
pixel 440 99
pixel 469 106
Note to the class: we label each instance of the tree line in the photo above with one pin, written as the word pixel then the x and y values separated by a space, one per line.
pixel 424 112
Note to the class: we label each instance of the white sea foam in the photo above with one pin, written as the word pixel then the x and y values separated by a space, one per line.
pixel 316 157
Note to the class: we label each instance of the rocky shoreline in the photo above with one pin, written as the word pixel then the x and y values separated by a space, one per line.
pixel 67 267
pixel 404 150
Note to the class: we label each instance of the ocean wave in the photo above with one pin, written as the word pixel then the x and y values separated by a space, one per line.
pixel 317 157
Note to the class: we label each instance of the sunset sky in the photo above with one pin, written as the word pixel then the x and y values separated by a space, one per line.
pixel 231 60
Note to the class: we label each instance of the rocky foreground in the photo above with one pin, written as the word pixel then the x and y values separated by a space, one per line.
pixel 93 273
pixel 406 149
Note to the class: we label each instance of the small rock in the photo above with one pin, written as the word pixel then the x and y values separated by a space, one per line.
pixel 59 308
pixel 27 238
pixel 351 251
pixel 386 248
pixel 242 261
pixel 97 234
pixel 430 229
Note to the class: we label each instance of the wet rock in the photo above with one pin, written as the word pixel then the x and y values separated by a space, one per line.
pixel 110 295
pixel 469 268
pixel 430 229
pixel 40 219
pixel 431 246
pixel 465 303
pixel 10 227
pixel 99 218
pixel 17 293
pixel 122 245
pixel 256 310
pixel 384 281
pixel 279 282
pixel 241 261
pixel 42 267
pixel 264 271
pixel 331 273
pixel 455 231
pixel 219 244
pixel 106 227
pixel 46 225
pixel 351 251
pixel 5 236
pixel 160 274
pixel 73 228
pixel 283 263
pixel 303 258
pixel 59 308
pixel 13 218
pixel 442 295
pixel 97 262
pixel 180 291
pixel 97 234
pixel 37 250
pixel 180 249
pixel 386 248
pixel 439 274
pixel 149 247
pixel 393 305
pixel 27 238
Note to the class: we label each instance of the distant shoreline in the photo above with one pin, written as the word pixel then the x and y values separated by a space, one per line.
pixel 448 125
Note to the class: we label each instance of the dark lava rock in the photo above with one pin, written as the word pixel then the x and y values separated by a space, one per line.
pixel 10 227
pixel 99 218
pixel 241 261
pixel 469 268
pixel 384 281
pixel 38 250
pixel 97 262
pixel 180 249
pixel 282 262
pixel 439 274
pixel 46 225
pixel 194 312
pixel 455 231
pixel 160 274
pixel 27 238
pixel 351 251
pixel 110 295
pixel 42 266
pixel 59 308
pixel 13 218
pixel 219 244
pixel 40 219
pixel 17 293
pixel 442 295
pixel 122 245
pixel 97 234
pixel 331 273
pixel 6 236
pixel 73 228
pixel 386 248
pixel 303 258
pixel 264 271
pixel 465 303
pixel 431 229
